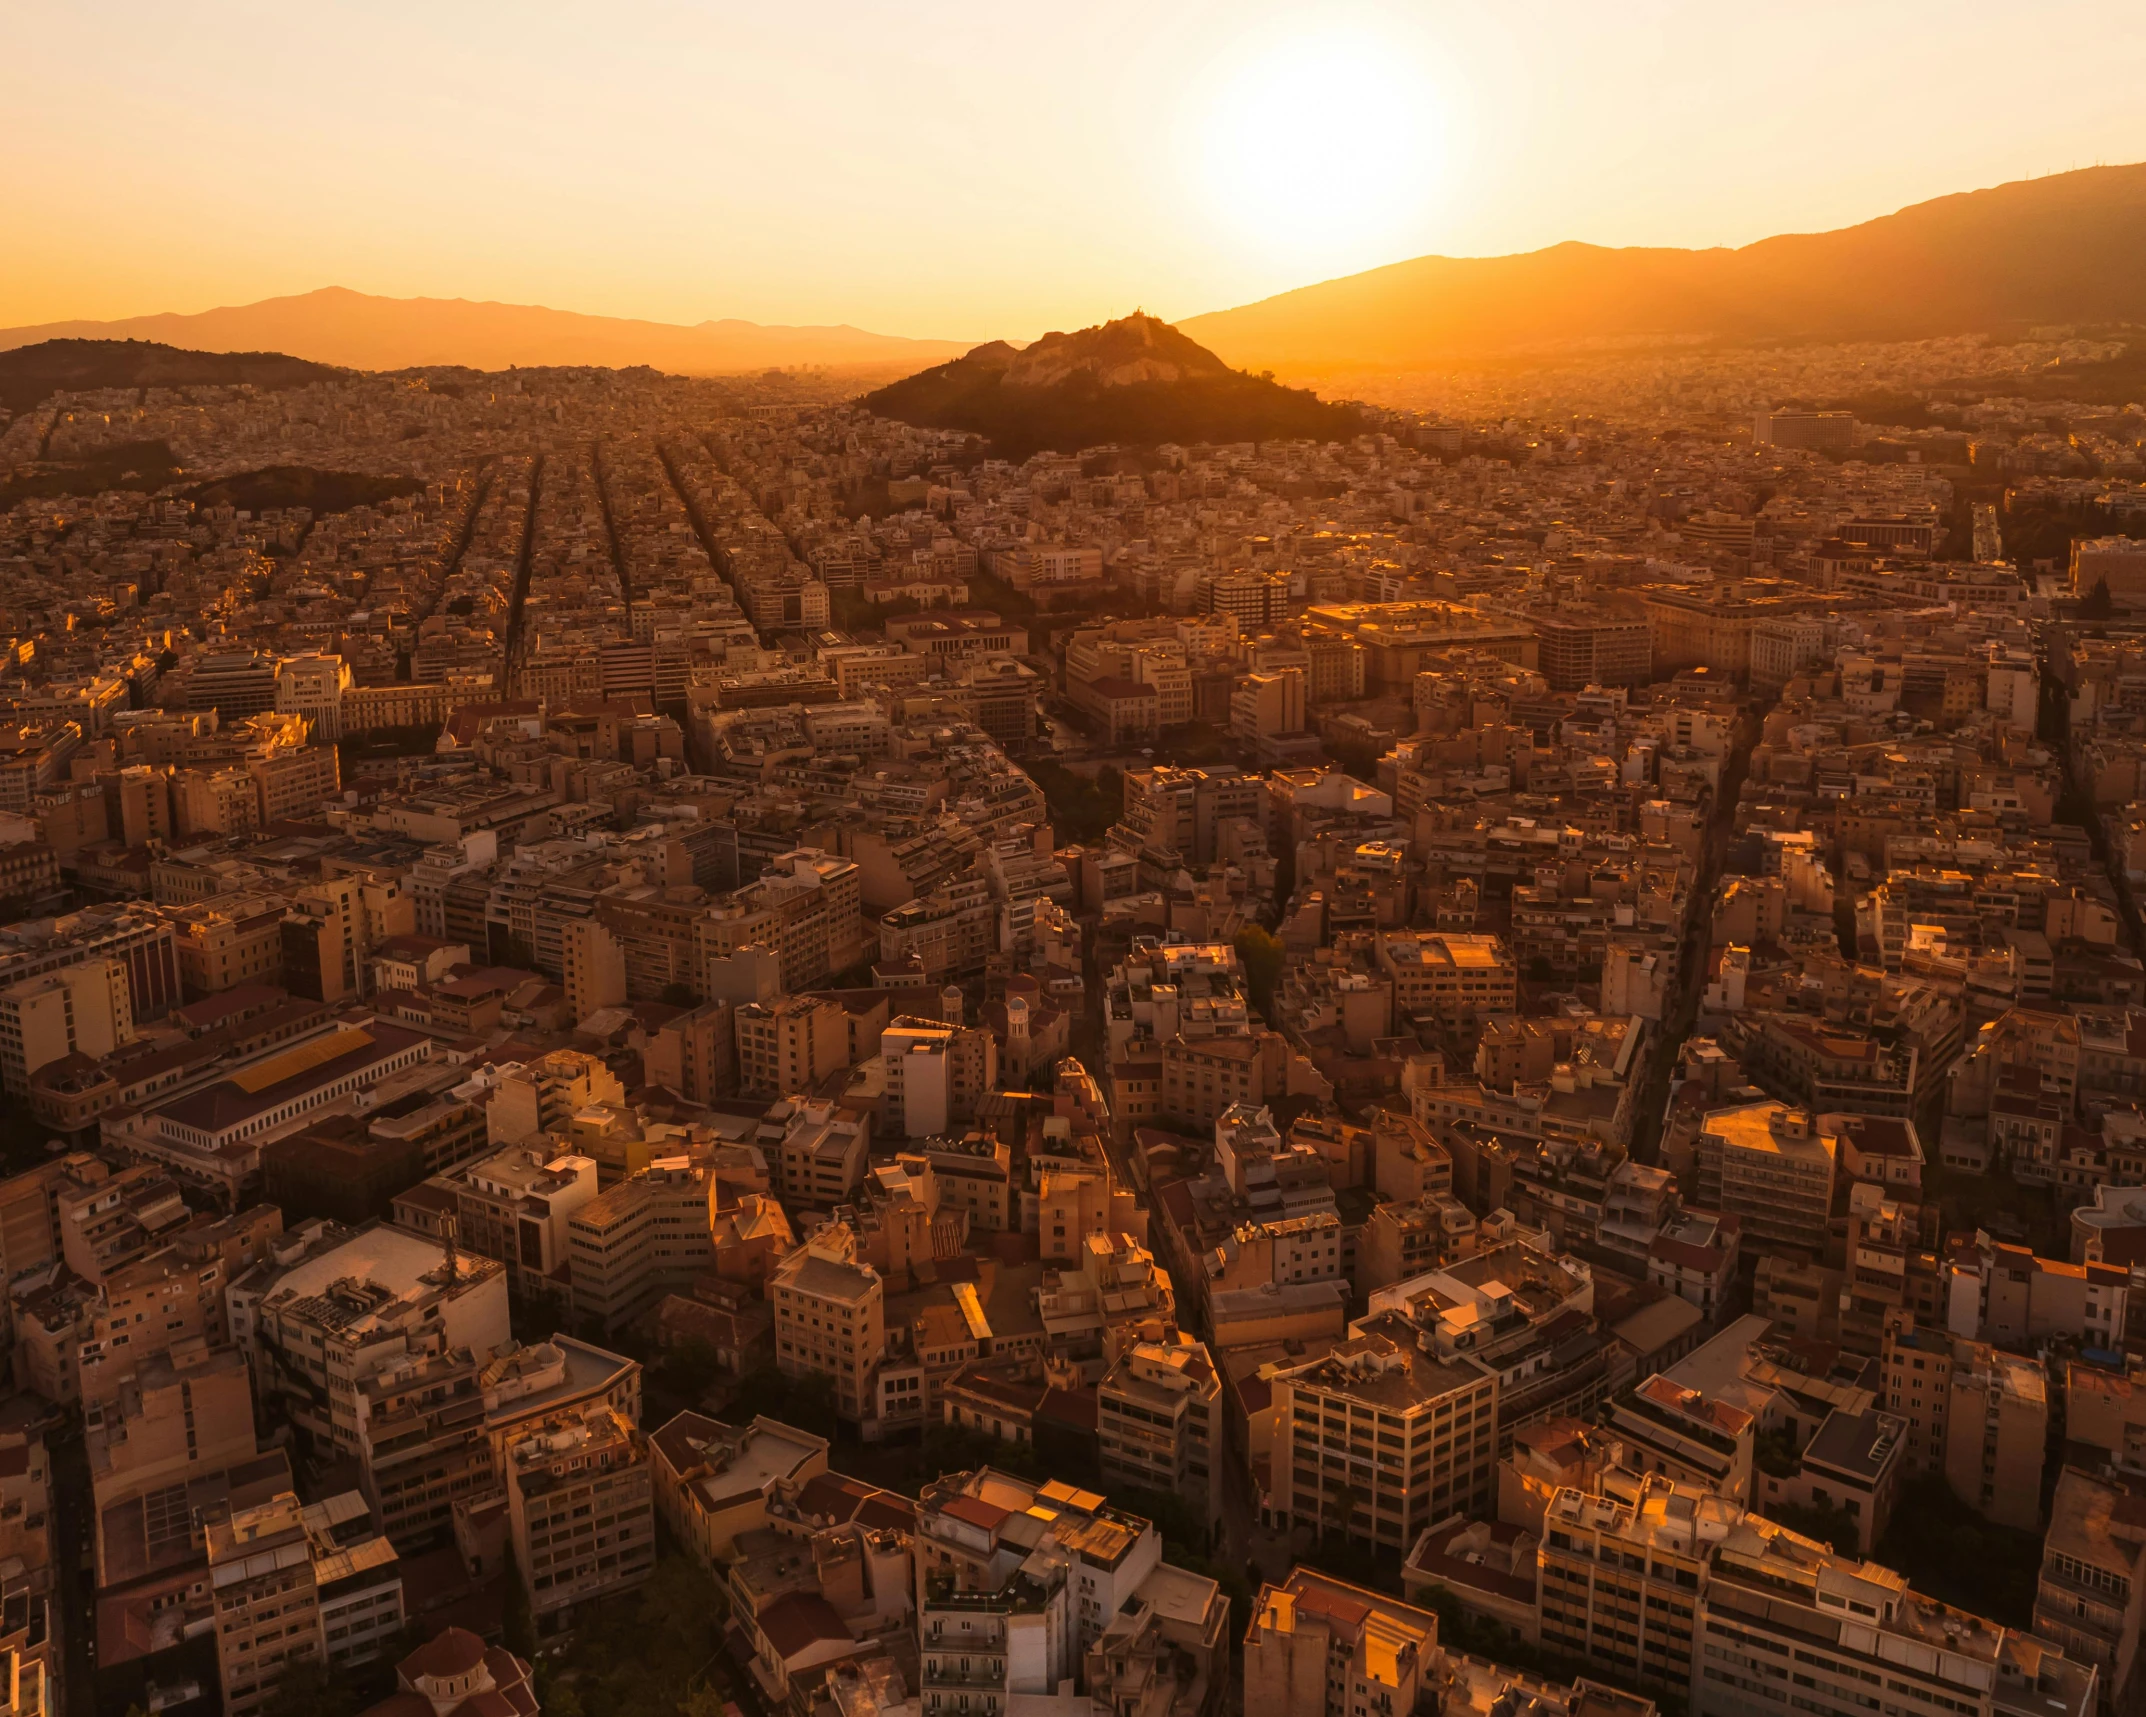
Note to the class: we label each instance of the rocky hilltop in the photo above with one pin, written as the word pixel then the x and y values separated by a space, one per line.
pixel 1137 380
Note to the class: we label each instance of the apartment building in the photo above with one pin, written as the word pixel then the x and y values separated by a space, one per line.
pixel 333 1305
pixel 538 1096
pixel 1686 1435
pixel 1320 1647
pixel 788 1045
pixel 1159 1422
pixel 294 1581
pixel 2090 1600
pixel 816 899
pixel 580 1509
pixel 935 1073
pixel 1621 1571
pixel 1447 976
pixel 1586 646
pixel 712 1480
pixel 1380 1438
pixel 513 1205
pixel 1040 1589
pixel 1775 1172
pixel 1974 1413
pixel 830 1318
pixel 647 1237
pixel 422 1445
pixel 229 940
pixel 433 1424
pixel 1781 1618
pixel 974 1172
pixel 82 1009
pixel 817 1151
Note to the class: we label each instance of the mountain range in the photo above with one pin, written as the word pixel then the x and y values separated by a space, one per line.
pixel 2065 249
pixel 1135 380
pixel 363 332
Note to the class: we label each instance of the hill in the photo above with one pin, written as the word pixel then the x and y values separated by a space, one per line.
pixel 359 331
pixel 144 465
pixel 2070 248
pixel 1136 380
pixel 31 373
pixel 280 486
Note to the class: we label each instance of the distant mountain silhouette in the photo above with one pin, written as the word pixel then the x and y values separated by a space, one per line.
pixel 1135 380
pixel 29 374
pixel 338 326
pixel 2070 248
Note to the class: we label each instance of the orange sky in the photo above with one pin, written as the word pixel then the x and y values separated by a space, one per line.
pixel 971 170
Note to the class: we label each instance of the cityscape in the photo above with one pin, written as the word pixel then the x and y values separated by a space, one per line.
pixel 1137 1021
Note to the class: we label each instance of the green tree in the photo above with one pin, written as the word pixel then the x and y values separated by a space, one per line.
pixel 679 996
pixel 2097 604
pixel 306 1689
pixel 555 1696
pixel 691 1368
pixel 1264 957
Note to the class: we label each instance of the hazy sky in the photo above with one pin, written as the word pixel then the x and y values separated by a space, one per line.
pixel 972 170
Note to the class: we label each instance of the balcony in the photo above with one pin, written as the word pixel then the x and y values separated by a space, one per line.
pixel 990 1673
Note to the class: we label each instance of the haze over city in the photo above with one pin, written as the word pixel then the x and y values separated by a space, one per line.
pixel 984 171
pixel 977 861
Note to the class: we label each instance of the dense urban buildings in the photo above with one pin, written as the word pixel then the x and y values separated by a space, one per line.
pixel 1540 1008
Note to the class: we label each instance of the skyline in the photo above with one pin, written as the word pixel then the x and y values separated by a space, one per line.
pixel 681 164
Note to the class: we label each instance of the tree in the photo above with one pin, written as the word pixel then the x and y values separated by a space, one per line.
pixel 678 996
pixel 1264 957
pixel 2097 604
pixel 306 1689
pixel 691 1368
pixel 555 1697
pixel 701 1700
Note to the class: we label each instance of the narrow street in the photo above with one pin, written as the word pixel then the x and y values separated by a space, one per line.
pixel 1691 960
pixel 72 1569
pixel 519 594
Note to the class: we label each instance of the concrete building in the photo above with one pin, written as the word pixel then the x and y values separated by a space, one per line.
pixel 2091 1598
pixel 335 1304
pixel 1776 1174
pixel 512 1205
pixel 1687 1436
pixel 1621 1570
pixel 1775 1604
pixel 580 1509
pixel 789 1044
pixel 712 1480
pixel 84 1009
pixel 1319 1647
pixel 1996 1432
pixel 293 1581
pixel 935 1074
pixel 830 1318
pixel 1380 1391
pixel 1159 1422
pixel 1446 976
pixel 647 1237
pixel 313 685
pixel 816 1150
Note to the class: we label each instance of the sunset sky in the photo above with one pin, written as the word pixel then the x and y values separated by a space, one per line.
pixel 975 170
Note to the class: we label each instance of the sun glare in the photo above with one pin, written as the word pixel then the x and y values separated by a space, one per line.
pixel 1323 149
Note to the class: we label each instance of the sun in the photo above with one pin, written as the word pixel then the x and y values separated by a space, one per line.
pixel 1320 148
